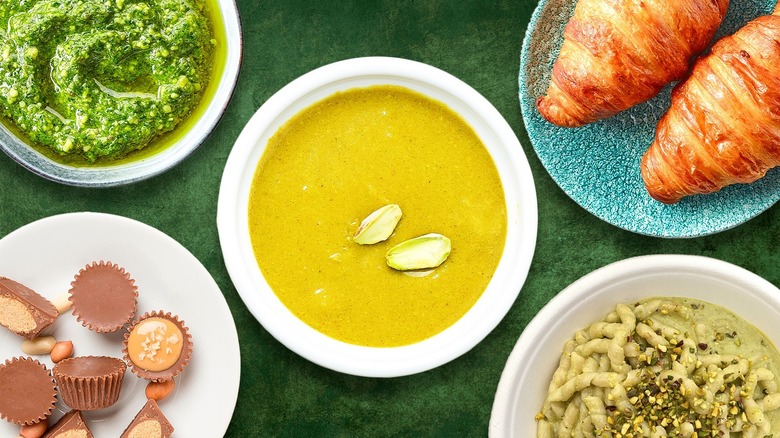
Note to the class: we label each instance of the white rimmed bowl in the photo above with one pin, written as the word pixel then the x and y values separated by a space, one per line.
pixel 160 161
pixel 513 169
pixel 523 385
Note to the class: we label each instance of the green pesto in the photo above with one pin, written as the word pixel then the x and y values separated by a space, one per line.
pixel 97 79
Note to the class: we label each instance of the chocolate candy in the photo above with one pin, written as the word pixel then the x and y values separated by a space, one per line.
pixel 24 311
pixel 27 391
pixel 71 424
pixel 149 422
pixel 89 382
pixel 157 346
pixel 104 297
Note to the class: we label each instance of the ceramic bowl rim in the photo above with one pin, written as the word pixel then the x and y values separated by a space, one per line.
pixel 232 222
pixel 628 280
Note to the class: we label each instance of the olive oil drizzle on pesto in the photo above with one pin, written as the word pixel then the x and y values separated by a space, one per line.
pixel 101 78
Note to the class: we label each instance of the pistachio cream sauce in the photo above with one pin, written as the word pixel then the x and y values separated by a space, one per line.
pixel 334 163
pixel 661 367
pixel 97 79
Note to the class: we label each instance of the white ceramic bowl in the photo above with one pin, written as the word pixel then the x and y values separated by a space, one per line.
pixel 513 169
pixel 524 382
pixel 136 170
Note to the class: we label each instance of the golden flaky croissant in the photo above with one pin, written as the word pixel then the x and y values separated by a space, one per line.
pixel 618 53
pixel 723 126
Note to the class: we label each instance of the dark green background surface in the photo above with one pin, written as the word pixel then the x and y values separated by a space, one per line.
pixel 284 395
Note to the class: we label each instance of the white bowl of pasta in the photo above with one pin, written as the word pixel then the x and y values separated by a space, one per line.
pixel 648 347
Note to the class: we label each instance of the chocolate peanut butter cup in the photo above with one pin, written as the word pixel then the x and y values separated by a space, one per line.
pixel 71 425
pixel 88 383
pixel 149 423
pixel 24 311
pixel 27 391
pixel 104 297
pixel 157 346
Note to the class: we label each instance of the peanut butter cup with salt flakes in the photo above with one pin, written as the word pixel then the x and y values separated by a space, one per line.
pixel 27 391
pixel 157 346
pixel 89 383
pixel 104 297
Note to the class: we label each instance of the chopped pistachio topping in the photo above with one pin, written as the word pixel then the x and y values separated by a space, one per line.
pixel 677 381
pixel 661 399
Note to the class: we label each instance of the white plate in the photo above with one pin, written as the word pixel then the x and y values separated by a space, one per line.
pixel 527 374
pixel 46 254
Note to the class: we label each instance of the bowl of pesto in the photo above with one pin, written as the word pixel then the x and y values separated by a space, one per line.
pixel 101 94
pixel 378 216
pixel 652 346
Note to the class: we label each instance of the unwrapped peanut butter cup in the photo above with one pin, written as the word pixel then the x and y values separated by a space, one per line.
pixel 89 383
pixel 157 346
pixel 104 297
pixel 149 423
pixel 27 391
pixel 71 425
pixel 24 311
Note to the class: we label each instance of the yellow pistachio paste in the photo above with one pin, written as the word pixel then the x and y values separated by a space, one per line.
pixel 335 162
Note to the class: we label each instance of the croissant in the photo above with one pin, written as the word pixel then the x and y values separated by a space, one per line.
pixel 618 53
pixel 723 126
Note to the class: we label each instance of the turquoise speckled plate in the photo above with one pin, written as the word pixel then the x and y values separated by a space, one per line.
pixel 598 165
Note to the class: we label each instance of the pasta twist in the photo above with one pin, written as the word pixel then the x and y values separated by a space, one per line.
pixel 652 370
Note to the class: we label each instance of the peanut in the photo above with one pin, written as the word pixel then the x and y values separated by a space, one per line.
pixel 62 350
pixel 34 430
pixel 39 345
pixel 159 390
pixel 62 303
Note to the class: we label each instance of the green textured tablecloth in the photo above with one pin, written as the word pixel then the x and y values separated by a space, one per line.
pixel 283 394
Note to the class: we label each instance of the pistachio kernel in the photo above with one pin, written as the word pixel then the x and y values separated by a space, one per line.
pixel 423 252
pixel 378 226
